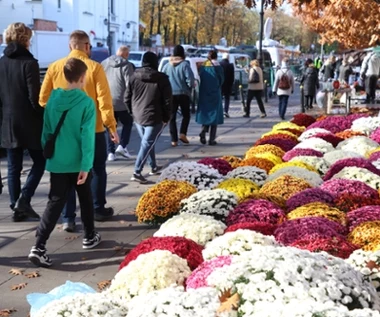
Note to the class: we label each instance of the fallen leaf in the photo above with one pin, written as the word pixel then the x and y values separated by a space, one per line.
pixel 122 221
pixel 84 259
pixel 14 271
pixel 229 303
pixel 130 225
pixel 185 155
pixel 118 247
pixel 33 274
pixel 103 285
pixel 7 312
pixel 71 237
pixel 17 287
pixel 146 237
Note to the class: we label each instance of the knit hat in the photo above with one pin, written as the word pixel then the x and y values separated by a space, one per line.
pixel 150 60
pixel 179 51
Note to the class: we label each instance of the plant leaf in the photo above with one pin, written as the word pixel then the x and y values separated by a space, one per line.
pixel 230 303
pixel 7 312
pixel 33 274
pixel 18 287
pixel 104 285
pixel 14 271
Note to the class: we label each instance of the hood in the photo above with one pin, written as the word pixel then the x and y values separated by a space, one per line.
pixel 14 50
pixel 116 61
pixel 63 100
pixel 175 60
pixel 148 75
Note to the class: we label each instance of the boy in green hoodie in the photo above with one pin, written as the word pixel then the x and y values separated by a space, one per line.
pixel 72 159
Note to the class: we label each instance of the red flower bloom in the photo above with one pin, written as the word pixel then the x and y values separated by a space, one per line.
pixel 331 138
pixel 262 227
pixel 348 202
pixel 303 120
pixel 184 248
pixel 222 166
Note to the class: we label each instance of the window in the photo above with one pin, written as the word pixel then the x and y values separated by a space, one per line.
pixel 112 6
pixel 59 4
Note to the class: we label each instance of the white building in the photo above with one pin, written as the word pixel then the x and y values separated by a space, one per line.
pixel 88 15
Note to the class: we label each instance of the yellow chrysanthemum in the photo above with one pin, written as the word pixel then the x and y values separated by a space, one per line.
pixel 266 148
pixel 163 200
pixel 372 246
pixel 288 125
pixel 233 160
pixel 280 132
pixel 293 163
pixel 318 209
pixel 259 162
pixel 279 201
pixel 271 157
pixel 284 186
pixel 241 187
pixel 365 233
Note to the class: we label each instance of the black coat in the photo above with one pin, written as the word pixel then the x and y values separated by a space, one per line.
pixel 229 76
pixel 310 81
pixel 19 92
pixel 149 96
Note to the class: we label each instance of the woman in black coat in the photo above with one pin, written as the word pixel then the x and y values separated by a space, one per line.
pixel 22 118
pixel 310 83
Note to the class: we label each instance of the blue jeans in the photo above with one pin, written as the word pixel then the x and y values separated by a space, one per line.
pixel 226 102
pixel 149 136
pixel 15 161
pixel 98 182
pixel 283 105
pixel 126 120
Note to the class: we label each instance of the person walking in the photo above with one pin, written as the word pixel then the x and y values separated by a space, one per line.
pixel 70 119
pixel 328 69
pixel 310 83
pixel 345 71
pixel 181 78
pixel 97 88
pixel 229 79
pixel 22 118
pixel 118 71
pixel 255 88
pixel 210 108
pixel 370 72
pixel 149 99
pixel 283 86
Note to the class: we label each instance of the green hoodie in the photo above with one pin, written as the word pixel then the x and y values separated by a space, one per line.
pixel 75 144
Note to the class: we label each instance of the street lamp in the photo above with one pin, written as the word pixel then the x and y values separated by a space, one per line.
pixel 109 38
pixel 260 53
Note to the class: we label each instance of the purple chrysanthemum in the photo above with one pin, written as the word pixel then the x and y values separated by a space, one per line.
pixel 308 196
pixel 336 187
pixel 357 162
pixel 301 152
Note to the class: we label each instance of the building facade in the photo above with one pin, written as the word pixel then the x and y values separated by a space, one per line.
pixel 106 21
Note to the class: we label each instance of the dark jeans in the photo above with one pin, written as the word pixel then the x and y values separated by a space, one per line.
pixel 61 186
pixel 182 102
pixel 371 83
pixel 212 128
pixel 309 101
pixel 98 182
pixel 126 120
pixel 255 94
pixel 227 98
pixel 149 136
pixel 283 105
pixel 15 164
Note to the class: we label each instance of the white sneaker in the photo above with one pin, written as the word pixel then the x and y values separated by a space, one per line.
pixel 111 157
pixel 123 152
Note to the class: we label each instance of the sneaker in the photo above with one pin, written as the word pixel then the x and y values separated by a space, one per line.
pixel 69 227
pixel 111 157
pixel 212 143
pixel 174 144
pixel 103 214
pixel 226 115
pixel 184 139
pixel 39 257
pixel 263 115
pixel 123 152
pixel 246 116
pixel 156 171
pixel 93 242
pixel 19 216
pixel 139 178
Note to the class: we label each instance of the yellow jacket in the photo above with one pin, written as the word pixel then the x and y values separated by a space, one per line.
pixel 96 87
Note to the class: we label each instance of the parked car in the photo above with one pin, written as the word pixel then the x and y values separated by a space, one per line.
pixel 99 54
pixel 135 57
pixel 195 63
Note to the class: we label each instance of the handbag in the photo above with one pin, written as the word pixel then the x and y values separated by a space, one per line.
pixel 49 147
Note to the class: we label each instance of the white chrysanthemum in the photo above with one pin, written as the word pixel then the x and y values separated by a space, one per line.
pixel 310 133
pixel 310 177
pixel 200 175
pixel 236 243
pixel 150 271
pixel 89 305
pixel 315 144
pixel 336 155
pixel 252 173
pixel 216 203
pixel 366 125
pixel 198 228
pixel 360 174
pixel 319 163
pixel 358 144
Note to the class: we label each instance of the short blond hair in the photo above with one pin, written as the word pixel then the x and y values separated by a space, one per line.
pixel 79 37
pixel 255 63
pixel 18 32
pixel 123 49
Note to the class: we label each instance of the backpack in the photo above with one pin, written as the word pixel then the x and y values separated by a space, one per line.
pixel 255 77
pixel 284 82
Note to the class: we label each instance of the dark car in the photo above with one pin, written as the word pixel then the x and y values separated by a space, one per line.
pixel 99 54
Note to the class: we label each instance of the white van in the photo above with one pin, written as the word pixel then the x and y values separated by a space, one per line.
pixel 135 57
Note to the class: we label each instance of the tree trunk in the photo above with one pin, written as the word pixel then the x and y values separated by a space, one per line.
pixel 159 17
pixel 175 34
pixel 152 18
pixel 212 26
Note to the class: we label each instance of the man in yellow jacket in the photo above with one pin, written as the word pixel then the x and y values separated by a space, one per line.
pixel 97 88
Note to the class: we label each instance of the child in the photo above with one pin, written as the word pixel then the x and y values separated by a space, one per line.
pixel 72 159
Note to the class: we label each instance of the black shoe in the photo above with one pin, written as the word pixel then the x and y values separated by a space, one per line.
pixel 246 116
pixel 226 115
pixel 212 143
pixel 282 118
pixel 23 206
pixel 39 257
pixel 93 242
pixel 139 178
pixel 19 216
pixel 202 138
pixel 263 115
pixel 156 171
pixel 104 214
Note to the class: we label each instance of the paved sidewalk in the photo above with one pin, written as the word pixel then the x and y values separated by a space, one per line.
pixel 73 263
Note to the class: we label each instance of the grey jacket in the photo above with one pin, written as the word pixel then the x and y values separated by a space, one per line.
pixel 181 76
pixel 118 71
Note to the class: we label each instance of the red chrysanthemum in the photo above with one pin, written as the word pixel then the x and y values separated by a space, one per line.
pixel 303 120
pixel 222 166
